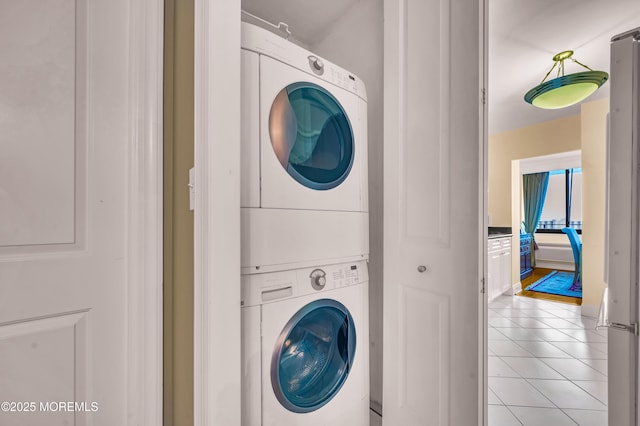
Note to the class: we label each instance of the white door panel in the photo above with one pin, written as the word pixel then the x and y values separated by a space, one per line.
pixel 70 209
pixel 432 204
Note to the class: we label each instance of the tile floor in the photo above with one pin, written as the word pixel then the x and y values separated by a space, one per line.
pixel 547 365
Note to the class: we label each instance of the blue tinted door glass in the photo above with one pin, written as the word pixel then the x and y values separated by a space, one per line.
pixel 313 356
pixel 311 136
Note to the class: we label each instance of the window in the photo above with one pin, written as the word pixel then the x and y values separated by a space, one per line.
pixel 563 203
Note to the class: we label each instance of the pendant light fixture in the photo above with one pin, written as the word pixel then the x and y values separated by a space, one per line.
pixel 565 90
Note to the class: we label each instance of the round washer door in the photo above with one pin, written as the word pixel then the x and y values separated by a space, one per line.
pixel 311 135
pixel 313 356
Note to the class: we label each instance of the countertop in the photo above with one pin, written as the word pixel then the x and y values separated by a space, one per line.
pixel 499 231
pixel 497 235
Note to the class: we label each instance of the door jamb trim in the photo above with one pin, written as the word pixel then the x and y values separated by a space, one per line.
pixel 144 214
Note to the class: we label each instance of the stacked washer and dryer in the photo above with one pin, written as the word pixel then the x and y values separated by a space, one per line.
pixel 305 245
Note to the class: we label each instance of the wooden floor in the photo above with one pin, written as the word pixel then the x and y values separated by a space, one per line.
pixel 535 276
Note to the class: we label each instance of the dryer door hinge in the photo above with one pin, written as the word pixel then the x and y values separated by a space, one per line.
pixel 483 96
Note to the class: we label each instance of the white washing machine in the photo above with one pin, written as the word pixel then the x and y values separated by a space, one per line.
pixel 304 157
pixel 305 347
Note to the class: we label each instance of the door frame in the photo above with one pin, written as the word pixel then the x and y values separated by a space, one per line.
pixel 217 344
pixel 144 213
pixel 217 369
pixel 483 181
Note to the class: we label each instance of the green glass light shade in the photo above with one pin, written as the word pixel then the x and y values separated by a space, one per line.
pixel 565 90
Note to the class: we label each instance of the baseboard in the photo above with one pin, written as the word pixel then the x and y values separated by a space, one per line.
pixel 590 310
pixel 516 288
pixel 506 290
pixel 555 264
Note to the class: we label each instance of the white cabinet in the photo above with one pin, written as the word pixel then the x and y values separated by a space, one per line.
pixel 499 266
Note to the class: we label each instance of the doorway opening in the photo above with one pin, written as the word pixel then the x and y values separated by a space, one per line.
pixel 540 350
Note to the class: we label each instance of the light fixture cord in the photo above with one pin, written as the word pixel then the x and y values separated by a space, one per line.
pixel 545 77
pixel 561 68
pixel 580 63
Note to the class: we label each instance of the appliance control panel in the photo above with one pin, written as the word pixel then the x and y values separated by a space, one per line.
pixel 266 43
pixel 341 276
pixel 330 277
pixel 346 276
pixel 341 78
pixel 271 287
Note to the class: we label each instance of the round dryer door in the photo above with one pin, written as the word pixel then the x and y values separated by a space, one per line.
pixel 311 136
pixel 313 356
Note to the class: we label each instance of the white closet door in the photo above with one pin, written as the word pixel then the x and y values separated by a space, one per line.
pixel 74 199
pixel 433 178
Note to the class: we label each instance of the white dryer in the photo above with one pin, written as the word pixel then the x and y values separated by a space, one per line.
pixel 304 156
pixel 305 347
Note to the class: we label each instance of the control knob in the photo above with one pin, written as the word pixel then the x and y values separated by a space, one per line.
pixel 317 65
pixel 318 279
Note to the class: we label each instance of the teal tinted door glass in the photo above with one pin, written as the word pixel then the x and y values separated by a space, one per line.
pixel 311 136
pixel 313 356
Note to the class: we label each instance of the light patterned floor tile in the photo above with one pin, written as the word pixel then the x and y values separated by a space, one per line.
pixel 600 365
pixel 501 322
pixel 574 369
pixel 543 349
pixel 531 322
pixel 565 394
pixel 499 368
pixel 588 417
pixel 585 336
pixel 493 399
pixel 495 334
pixel 598 390
pixel 561 358
pixel 534 416
pixel 558 323
pixel 581 350
pixel 531 368
pixel 506 348
pixel 518 392
pixel 551 335
pixel 528 334
pixel 499 415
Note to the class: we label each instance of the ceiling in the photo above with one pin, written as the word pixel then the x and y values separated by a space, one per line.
pixel 523 37
pixel 308 20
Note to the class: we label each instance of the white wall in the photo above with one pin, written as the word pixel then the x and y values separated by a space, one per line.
pixel 355 42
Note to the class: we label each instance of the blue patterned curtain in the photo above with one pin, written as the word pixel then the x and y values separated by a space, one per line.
pixel 534 193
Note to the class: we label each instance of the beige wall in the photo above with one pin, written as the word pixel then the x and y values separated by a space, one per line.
pixel 585 131
pixel 594 136
pixel 550 137
pixel 178 220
